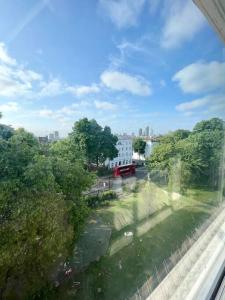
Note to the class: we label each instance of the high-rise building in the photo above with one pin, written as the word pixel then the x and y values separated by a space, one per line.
pixel 147 131
pixel 51 137
pixel 140 132
pixel 56 135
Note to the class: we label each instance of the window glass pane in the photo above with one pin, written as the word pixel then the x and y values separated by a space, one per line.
pixel 111 149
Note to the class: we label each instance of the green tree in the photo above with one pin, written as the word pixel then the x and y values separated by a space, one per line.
pixel 199 153
pixel 72 179
pixel 5 131
pixel 209 125
pixel 96 143
pixel 41 210
pixel 139 146
pixel 35 238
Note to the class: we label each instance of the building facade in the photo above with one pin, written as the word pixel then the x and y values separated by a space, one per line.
pixel 125 152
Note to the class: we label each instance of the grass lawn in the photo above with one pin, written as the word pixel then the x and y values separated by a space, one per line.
pixel 160 222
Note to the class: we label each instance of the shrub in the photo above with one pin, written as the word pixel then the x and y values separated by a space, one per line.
pixel 108 195
pixel 99 199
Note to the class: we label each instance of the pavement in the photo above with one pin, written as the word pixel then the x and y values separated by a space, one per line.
pixel 96 236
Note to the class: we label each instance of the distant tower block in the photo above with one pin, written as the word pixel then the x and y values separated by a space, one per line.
pixel 140 132
pixel 147 131
pixel 51 137
pixel 56 135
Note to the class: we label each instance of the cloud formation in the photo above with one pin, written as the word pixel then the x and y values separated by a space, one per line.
pixel 201 77
pixel 15 79
pixel 183 21
pixel 19 81
pixel 123 13
pixel 210 103
pixel 82 90
pixel 104 105
pixel 120 81
pixel 186 106
pixel 9 107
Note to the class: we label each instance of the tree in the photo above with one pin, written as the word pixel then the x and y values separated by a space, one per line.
pixel 199 153
pixel 108 142
pixel 5 131
pixel 41 211
pixel 35 238
pixel 212 124
pixel 96 143
pixel 139 146
pixel 175 136
pixel 72 179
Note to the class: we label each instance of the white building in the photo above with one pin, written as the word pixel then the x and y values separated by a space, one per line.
pixel 125 152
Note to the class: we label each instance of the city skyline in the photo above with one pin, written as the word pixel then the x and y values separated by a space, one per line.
pixel 139 71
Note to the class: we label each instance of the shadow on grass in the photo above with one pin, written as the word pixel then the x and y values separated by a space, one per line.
pixel 119 275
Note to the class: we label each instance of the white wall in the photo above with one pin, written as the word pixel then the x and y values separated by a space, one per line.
pixel 125 148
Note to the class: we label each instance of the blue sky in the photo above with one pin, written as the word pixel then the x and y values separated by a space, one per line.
pixel 126 63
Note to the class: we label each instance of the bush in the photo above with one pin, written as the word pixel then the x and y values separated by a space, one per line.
pixel 99 199
pixel 109 195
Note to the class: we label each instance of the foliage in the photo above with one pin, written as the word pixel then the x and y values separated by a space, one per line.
pixel 34 239
pixel 198 154
pixel 139 146
pixel 5 131
pixel 100 198
pixel 41 210
pixel 95 142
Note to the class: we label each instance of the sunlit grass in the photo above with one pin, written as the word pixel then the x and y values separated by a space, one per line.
pixel 159 221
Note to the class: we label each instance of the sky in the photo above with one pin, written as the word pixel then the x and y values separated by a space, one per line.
pixel 126 63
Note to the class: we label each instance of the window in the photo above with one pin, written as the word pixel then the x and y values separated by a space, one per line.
pixel 80 80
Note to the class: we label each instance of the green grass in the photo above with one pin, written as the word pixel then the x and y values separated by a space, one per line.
pixel 160 223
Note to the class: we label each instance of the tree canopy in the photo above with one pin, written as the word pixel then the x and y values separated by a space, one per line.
pixel 139 146
pixel 199 153
pixel 95 142
pixel 41 209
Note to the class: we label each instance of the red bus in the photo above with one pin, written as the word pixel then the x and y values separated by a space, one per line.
pixel 124 170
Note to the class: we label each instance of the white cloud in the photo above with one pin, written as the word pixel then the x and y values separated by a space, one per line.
pixel 18 81
pixel 82 90
pixel 105 105
pixel 183 21
pixel 15 79
pixel 4 57
pixel 51 88
pixel 123 13
pixel 9 107
pixel 201 77
pixel 210 103
pixel 187 106
pixel 119 81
